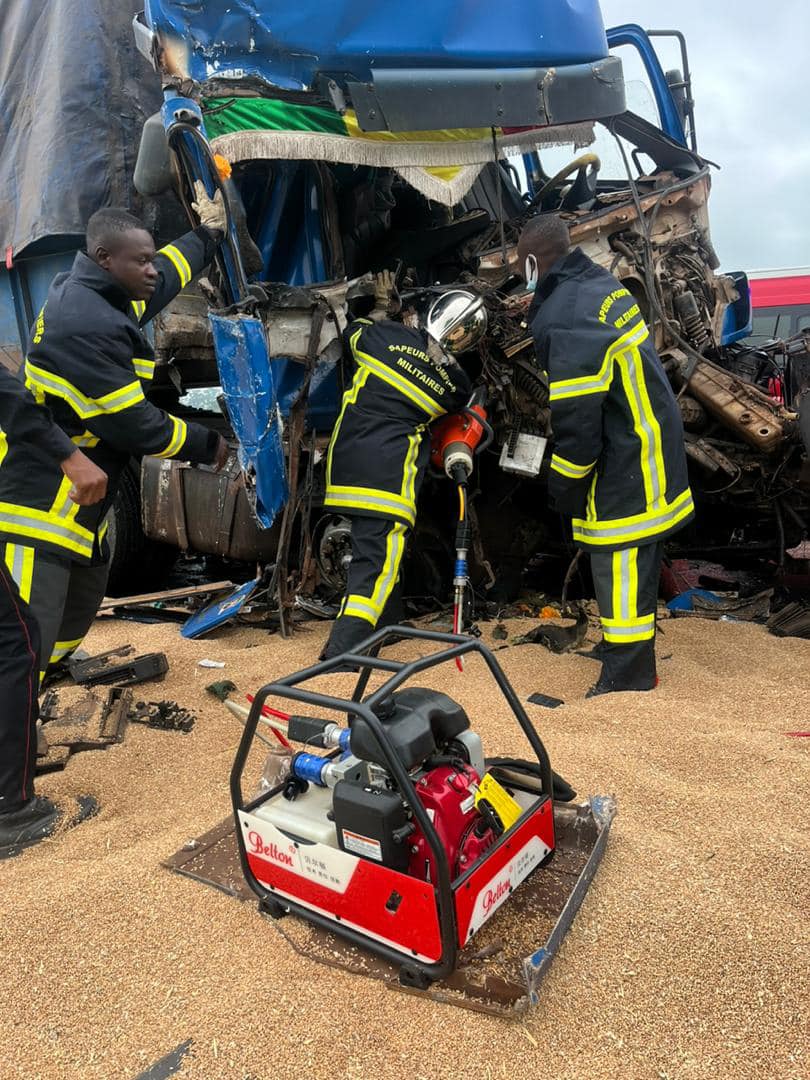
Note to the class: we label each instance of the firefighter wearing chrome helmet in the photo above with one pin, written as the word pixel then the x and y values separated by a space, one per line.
pixel 404 378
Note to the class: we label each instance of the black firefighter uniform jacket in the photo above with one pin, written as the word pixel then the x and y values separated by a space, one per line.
pixel 88 362
pixel 378 453
pixel 619 465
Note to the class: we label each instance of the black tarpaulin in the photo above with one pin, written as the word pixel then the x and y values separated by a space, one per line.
pixel 74 94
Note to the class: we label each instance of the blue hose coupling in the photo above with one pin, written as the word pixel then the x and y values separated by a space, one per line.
pixel 310 767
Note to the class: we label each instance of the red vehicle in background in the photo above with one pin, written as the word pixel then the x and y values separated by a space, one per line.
pixel 777 358
pixel 780 301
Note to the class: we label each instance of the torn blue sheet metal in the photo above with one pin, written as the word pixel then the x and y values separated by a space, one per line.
pixel 220 612
pixel 251 395
pixel 289 45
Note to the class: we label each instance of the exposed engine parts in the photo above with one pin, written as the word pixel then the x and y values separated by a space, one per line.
pixel 738 405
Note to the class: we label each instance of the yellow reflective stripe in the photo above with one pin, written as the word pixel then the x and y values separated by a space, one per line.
pixel 626 635
pixel 407 389
pixel 102 532
pixel 381 502
pixel 632 583
pixel 175 444
pixel 684 497
pixel 590 508
pixel 122 398
pixel 409 469
pixel 47 382
pixel 3 445
pixel 40 525
pixel 85 439
pixel 20 562
pixel 652 422
pixel 384 585
pixel 393 378
pixel 616 573
pixel 139 307
pixel 62 648
pixel 645 425
pixel 63 507
pixel 144 369
pixel 600 382
pixel 635 622
pixel 359 608
pixel 569 468
pixel 638 527
pixel 349 398
pixel 371 607
pixel 179 262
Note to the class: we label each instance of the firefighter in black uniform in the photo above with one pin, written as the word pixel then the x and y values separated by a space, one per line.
pixel 25 819
pixel 404 378
pixel 89 361
pixel 619 465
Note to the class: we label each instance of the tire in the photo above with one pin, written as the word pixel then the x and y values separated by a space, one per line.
pixel 137 564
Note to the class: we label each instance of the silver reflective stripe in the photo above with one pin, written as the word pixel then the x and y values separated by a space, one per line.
pixel 49 527
pixel 40 379
pixel 632 358
pixel 624 592
pixel 17 563
pixel 601 381
pixel 384 586
pixel 362 604
pixel 644 524
pixel 630 631
pixel 369 500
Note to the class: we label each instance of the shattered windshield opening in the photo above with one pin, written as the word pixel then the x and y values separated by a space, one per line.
pixel 604 145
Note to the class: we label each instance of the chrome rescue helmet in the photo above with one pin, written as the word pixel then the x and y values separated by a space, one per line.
pixel 457 320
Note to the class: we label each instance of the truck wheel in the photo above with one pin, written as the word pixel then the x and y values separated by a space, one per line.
pixel 137 564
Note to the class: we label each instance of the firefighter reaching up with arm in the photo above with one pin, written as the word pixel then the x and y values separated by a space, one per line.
pixel 90 363
pixel 619 467
pixel 404 377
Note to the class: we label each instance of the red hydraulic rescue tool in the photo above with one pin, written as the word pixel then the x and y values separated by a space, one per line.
pixel 454 440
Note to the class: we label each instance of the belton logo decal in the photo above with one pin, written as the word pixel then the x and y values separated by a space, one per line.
pixel 492 897
pixel 257 846
pixel 498 888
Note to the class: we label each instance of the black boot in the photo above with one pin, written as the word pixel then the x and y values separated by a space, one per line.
pixel 36 820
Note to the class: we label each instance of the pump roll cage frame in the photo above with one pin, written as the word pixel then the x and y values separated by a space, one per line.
pixel 413 972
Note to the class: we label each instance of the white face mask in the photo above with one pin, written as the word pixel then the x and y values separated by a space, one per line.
pixel 530 272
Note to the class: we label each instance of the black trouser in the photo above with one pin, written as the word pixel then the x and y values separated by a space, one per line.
pixel 626 584
pixel 373 589
pixel 64 596
pixel 19 680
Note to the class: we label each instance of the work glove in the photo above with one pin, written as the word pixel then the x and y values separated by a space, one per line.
pixel 386 297
pixel 211 212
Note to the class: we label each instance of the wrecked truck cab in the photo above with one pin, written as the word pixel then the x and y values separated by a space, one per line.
pixel 302 119
pixel 322 193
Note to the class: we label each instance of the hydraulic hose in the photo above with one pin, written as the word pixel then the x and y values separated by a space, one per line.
pixel 461 571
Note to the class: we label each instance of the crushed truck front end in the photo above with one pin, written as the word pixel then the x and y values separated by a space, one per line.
pixel 341 160
pixel 297 102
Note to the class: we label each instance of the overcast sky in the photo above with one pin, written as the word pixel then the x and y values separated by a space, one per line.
pixel 750 63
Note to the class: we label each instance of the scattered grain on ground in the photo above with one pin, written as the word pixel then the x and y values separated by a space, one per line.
pixel 688 959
